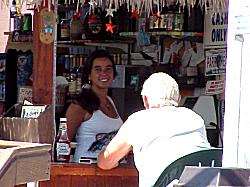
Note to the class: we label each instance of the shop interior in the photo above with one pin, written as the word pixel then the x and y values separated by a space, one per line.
pixel 47 47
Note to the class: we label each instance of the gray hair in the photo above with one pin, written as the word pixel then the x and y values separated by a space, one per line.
pixel 161 89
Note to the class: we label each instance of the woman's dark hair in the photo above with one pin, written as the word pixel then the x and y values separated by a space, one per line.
pixel 89 63
pixel 88 100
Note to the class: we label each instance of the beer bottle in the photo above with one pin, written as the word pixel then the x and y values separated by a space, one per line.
pixel 79 80
pixel 13 15
pixel 62 143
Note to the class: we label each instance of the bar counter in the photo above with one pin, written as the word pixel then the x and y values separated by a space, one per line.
pixel 89 175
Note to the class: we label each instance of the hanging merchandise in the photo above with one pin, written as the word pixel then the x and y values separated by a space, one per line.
pixel 24 68
pixel 47 25
pixel 111 22
pixel 134 16
pixel 94 25
pixel 142 5
pixel 110 27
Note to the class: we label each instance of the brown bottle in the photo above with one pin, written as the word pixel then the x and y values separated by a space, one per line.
pixel 62 143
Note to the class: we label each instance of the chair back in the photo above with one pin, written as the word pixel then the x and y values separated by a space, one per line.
pixel 208 157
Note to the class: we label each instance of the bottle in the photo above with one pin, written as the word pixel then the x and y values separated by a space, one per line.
pixel 65 29
pixel 72 82
pixel 62 143
pixel 13 15
pixel 79 79
pixel 76 27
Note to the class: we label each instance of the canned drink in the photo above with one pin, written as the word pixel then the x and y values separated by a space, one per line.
pixel 151 22
pixel 178 21
pixel 17 23
pixel 167 21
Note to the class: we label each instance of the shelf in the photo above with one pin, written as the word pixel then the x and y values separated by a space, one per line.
pixel 121 44
pixel 94 42
pixel 178 34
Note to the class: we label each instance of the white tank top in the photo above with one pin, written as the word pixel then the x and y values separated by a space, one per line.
pixel 93 129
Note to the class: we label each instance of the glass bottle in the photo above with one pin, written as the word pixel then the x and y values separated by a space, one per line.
pixel 13 15
pixel 72 82
pixel 62 143
pixel 79 79
pixel 76 27
pixel 65 29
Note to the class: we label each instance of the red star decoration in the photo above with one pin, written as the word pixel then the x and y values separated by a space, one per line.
pixel 134 14
pixel 110 27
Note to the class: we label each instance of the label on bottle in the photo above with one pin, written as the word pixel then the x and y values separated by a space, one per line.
pixel 65 29
pixel 72 86
pixel 62 149
pixel 78 85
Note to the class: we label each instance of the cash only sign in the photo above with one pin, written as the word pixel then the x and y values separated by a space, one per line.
pixel 215 43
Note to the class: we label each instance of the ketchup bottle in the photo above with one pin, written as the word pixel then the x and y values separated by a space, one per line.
pixel 62 143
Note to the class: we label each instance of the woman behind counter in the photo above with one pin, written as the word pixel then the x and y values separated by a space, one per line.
pixel 93 115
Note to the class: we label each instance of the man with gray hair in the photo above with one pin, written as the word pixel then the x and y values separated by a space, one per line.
pixel 158 135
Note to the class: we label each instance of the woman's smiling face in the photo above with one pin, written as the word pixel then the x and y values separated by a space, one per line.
pixel 102 73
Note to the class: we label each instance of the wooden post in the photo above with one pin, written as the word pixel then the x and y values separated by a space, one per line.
pixel 42 67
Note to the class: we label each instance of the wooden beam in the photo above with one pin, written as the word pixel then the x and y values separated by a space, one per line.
pixel 42 67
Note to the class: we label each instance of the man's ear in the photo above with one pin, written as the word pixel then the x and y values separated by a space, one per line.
pixel 145 101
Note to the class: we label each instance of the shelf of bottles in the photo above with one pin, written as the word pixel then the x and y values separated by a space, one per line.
pixel 80 32
pixel 20 23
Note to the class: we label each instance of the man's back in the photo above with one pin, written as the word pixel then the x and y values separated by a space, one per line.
pixel 160 136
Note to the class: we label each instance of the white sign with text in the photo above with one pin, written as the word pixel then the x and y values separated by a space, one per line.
pixel 215 29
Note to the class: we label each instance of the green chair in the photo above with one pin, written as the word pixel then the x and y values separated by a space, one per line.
pixel 208 157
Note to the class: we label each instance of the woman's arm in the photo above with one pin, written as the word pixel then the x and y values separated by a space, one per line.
pixel 75 116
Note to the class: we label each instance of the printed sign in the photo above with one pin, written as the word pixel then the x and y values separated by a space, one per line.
pixel 31 111
pixel 215 29
pixel 215 61
pixel 24 92
pixel 215 87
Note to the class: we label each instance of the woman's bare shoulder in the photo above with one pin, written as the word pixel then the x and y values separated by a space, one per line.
pixel 75 108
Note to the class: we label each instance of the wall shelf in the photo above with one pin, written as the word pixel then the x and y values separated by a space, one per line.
pixel 165 33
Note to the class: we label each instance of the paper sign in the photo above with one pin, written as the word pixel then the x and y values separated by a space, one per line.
pixel 24 92
pixel 31 111
pixel 215 61
pixel 215 28
pixel 215 87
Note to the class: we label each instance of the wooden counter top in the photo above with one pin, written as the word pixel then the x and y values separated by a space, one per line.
pixel 91 169
pixel 89 175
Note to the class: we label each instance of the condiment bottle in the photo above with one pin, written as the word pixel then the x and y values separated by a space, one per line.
pixel 62 143
pixel 76 27
pixel 65 29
